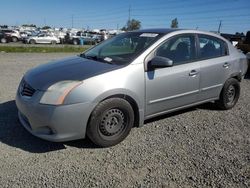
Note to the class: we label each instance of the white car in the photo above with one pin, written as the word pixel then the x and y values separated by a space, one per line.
pixel 43 39
pixel 15 35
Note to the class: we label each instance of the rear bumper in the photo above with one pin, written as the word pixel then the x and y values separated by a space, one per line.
pixel 54 123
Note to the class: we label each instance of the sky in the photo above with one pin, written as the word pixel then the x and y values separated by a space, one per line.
pixel 112 14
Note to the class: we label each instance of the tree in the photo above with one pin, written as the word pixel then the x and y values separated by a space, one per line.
pixel 174 23
pixel 240 34
pixel 29 25
pixel 132 25
pixel 4 26
pixel 46 27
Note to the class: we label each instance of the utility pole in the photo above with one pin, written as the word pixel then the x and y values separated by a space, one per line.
pixel 219 26
pixel 44 21
pixel 72 21
pixel 129 12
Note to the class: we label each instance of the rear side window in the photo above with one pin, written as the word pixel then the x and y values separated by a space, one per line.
pixel 211 47
pixel 180 49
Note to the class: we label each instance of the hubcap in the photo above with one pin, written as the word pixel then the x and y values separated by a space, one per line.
pixel 230 94
pixel 112 122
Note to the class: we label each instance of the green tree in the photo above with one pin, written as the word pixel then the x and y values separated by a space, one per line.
pixel 132 25
pixel 174 23
pixel 29 25
pixel 46 27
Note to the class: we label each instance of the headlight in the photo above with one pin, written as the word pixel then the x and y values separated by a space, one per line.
pixel 56 93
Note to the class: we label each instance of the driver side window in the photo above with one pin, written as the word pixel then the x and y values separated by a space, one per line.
pixel 180 49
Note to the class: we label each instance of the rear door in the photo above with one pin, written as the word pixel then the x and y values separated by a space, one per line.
pixel 172 87
pixel 40 38
pixel 215 65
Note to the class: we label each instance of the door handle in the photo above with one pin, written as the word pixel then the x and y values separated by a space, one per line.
pixel 193 73
pixel 226 65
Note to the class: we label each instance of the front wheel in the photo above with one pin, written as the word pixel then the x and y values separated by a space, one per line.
pixel 14 39
pixel 3 40
pixel 110 122
pixel 229 94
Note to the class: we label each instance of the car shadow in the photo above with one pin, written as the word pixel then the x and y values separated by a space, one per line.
pixel 247 76
pixel 14 134
pixel 206 106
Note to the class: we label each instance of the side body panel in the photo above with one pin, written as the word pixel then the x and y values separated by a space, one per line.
pixel 213 74
pixel 171 87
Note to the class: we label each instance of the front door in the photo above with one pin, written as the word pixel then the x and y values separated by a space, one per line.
pixel 172 87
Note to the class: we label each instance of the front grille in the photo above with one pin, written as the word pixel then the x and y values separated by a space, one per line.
pixel 26 89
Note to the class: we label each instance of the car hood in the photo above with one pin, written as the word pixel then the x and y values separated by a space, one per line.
pixel 73 68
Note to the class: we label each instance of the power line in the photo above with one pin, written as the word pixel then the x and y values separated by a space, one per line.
pixel 191 12
pixel 180 5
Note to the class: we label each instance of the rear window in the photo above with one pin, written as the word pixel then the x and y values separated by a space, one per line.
pixel 211 47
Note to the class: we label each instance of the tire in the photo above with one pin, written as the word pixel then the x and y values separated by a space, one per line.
pixel 75 42
pixel 110 122
pixel 229 95
pixel 32 41
pixel 53 42
pixel 14 39
pixel 3 40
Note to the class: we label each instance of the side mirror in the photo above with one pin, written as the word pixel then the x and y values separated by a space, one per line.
pixel 160 62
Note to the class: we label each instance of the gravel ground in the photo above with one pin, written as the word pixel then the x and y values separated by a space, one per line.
pixel 198 147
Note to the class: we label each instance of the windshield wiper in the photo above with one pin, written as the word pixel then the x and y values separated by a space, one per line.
pixel 95 58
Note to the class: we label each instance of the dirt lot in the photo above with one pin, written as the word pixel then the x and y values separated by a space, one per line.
pixel 198 147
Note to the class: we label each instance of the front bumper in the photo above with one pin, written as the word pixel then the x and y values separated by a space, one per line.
pixel 53 123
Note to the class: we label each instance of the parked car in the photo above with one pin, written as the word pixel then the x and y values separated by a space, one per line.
pixel 27 34
pixel 15 35
pixel 4 38
pixel 86 37
pixel 43 39
pixel 121 82
pixel 244 45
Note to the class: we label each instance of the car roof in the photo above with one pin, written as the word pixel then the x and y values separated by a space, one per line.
pixel 158 30
pixel 179 31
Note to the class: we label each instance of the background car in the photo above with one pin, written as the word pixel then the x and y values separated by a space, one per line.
pixel 86 37
pixel 43 39
pixel 4 38
pixel 15 35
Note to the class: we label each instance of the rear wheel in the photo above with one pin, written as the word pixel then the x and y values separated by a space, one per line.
pixel 75 42
pixel 32 41
pixel 53 42
pixel 110 122
pixel 229 94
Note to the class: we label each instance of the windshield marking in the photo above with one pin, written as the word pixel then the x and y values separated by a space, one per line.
pixel 108 59
pixel 149 35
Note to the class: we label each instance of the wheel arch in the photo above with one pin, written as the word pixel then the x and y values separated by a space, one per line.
pixel 132 102
pixel 236 76
pixel 138 113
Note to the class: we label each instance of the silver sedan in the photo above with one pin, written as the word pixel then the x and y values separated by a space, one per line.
pixel 134 76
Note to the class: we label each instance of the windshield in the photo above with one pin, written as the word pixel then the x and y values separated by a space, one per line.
pixel 123 48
